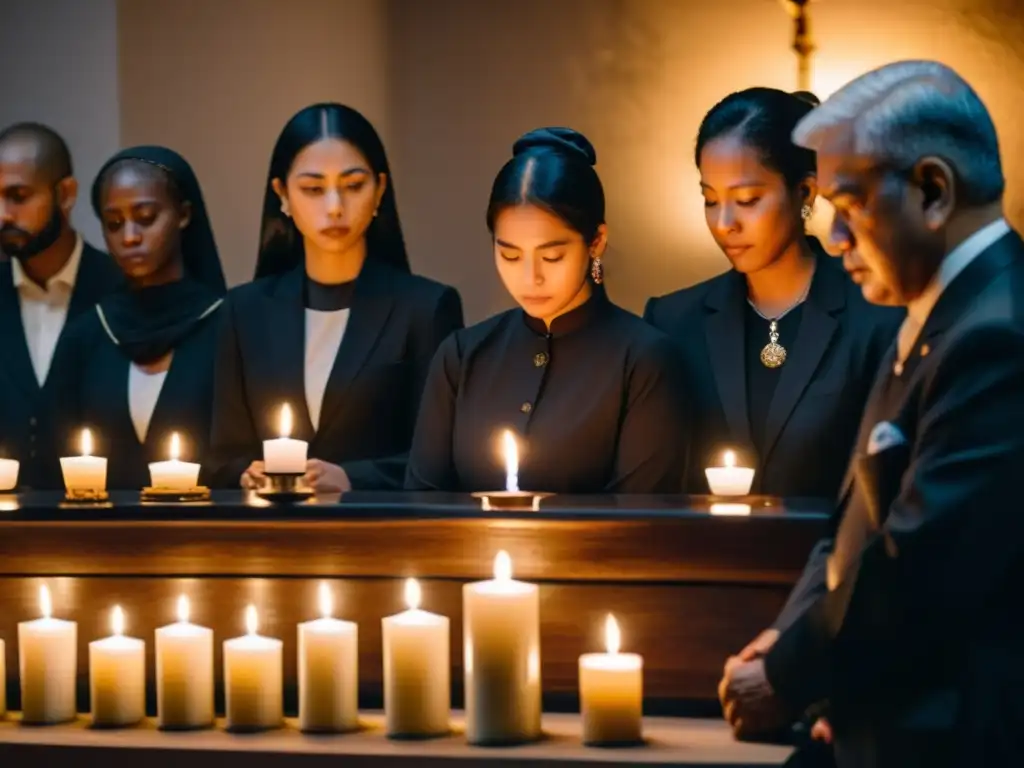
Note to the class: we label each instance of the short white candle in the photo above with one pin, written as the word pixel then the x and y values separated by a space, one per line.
pixel 85 472
pixel 184 673
pixel 9 474
pixel 328 671
pixel 611 692
pixel 252 679
pixel 284 455
pixel 729 480
pixel 502 658
pixel 417 675
pixel 47 664
pixel 174 474
pixel 117 677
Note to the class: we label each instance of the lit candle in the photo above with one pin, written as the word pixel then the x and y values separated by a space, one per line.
pixel 611 692
pixel 184 673
pixel 511 462
pixel 174 474
pixel 502 658
pixel 328 671
pixel 252 679
pixel 85 472
pixel 47 663
pixel 285 456
pixel 417 676
pixel 117 677
pixel 729 480
pixel 9 474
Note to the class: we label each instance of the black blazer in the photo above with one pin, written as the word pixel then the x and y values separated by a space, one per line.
pixel 813 418
pixel 26 427
pixel 91 390
pixel 369 407
pixel 919 637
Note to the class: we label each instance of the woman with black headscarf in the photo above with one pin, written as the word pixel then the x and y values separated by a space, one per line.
pixel 140 367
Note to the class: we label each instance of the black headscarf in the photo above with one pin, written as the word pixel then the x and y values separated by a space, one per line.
pixel 148 323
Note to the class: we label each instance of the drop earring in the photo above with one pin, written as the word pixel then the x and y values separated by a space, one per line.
pixel 806 211
pixel 596 270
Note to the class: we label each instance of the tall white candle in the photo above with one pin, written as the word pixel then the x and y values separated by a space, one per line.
pixel 284 455
pixel 184 673
pixel 117 677
pixel 174 474
pixel 328 671
pixel 252 679
pixel 417 675
pixel 85 472
pixel 611 692
pixel 502 658
pixel 729 480
pixel 9 474
pixel 47 665
pixel 511 451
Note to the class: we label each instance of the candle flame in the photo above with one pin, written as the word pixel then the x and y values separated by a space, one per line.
pixel 511 451
pixel 502 566
pixel 117 620
pixel 251 620
pixel 326 600
pixel 413 594
pixel 175 447
pixel 286 420
pixel 87 443
pixel 45 604
pixel 730 459
pixel 183 607
pixel 612 635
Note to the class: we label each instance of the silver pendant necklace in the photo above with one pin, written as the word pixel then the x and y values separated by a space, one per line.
pixel 773 354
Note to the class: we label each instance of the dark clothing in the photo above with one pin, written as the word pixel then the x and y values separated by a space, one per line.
pixel 369 407
pixel 819 391
pixel 26 423
pixel 761 380
pixel 597 404
pixel 918 641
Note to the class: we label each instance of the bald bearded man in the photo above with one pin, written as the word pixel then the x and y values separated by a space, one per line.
pixel 48 275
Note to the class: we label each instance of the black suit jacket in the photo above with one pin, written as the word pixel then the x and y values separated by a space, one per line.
pixel 369 408
pixel 814 413
pixel 26 428
pixel 919 638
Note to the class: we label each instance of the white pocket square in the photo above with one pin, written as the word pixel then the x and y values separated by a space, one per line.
pixel 884 435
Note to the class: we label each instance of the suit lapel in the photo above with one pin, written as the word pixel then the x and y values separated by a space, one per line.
pixel 96 276
pixel 284 324
pixel 13 345
pixel 724 333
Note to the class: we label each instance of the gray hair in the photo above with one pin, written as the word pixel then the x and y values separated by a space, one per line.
pixel 902 112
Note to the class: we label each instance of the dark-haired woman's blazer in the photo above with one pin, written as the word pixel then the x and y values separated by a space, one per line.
pixel 369 407
pixel 816 408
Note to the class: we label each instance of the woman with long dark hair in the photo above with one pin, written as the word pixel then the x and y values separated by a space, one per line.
pixel 334 326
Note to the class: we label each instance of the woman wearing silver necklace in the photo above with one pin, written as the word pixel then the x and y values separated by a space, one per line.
pixel 782 349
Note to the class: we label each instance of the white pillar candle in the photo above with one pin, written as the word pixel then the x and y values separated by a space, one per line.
pixel 611 693
pixel 184 673
pixel 117 677
pixel 9 474
pixel 47 665
pixel 85 472
pixel 729 480
pixel 283 455
pixel 252 679
pixel 328 671
pixel 417 674
pixel 174 474
pixel 3 679
pixel 502 658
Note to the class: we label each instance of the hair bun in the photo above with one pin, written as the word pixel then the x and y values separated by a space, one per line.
pixel 808 97
pixel 564 140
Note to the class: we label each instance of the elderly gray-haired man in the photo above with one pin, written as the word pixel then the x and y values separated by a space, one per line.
pixel 907 624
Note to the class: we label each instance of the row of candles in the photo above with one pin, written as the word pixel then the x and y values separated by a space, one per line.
pixel 287 456
pixel 501 665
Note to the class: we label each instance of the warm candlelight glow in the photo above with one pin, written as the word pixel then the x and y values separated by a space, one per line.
pixel 183 607
pixel 326 600
pixel 413 594
pixel 612 635
pixel 511 451
pixel 86 442
pixel 251 621
pixel 502 566
pixel 175 447
pixel 286 420
pixel 45 604
pixel 730 459
pixel 117 620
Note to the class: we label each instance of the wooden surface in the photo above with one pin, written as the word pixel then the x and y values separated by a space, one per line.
pixel 678 742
